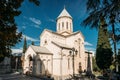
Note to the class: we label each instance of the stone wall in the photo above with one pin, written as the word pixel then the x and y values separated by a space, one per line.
pixel 5 66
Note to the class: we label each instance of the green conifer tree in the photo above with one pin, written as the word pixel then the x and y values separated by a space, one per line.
pixel 9 35
pixel 24 45
pixel 103 52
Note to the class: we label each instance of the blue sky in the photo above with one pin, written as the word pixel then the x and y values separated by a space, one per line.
pixel 34 19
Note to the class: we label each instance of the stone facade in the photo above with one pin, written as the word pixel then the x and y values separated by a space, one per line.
pixel 53 56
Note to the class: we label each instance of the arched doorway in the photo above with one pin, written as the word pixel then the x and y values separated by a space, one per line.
pixel 29 65
pixel 80 68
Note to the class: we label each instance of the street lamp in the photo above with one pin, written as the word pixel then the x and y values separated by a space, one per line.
pixel 73 52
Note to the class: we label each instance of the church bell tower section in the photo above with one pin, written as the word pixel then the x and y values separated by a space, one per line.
pixel 64 23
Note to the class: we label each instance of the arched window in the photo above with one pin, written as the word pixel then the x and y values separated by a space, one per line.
pixel 30 58
pixel 67 25
pixel 63 25
pixel 80 67
pixel 45 42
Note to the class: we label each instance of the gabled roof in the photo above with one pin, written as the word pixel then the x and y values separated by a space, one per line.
pixel 61 45
pixel 74 33
pixel 39 49
pixel 64 13
pixel 50 31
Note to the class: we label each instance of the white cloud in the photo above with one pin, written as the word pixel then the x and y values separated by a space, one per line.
pixel 17 52
pixel 51 20
pixel 30 38
pixel 37 26
pixel 24 27
pixel 92 52
pixel 34 20
pixel 91 49
pixel 88 44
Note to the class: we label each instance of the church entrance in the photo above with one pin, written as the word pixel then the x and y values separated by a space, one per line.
pixel 30 65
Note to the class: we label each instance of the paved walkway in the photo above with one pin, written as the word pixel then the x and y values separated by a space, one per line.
pixel 16 76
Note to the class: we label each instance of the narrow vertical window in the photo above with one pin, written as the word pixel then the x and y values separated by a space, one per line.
pixel 59 26
pixel 63 25
pixel 70 27
pixel 45 42
pixel 67 25
pixel 68 63
pixel 80 67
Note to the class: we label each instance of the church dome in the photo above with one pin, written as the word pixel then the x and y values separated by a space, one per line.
pixel 64 13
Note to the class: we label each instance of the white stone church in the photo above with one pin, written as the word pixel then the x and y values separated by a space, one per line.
pixel 60 54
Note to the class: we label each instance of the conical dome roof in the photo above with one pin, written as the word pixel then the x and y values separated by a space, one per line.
pixel 64 13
